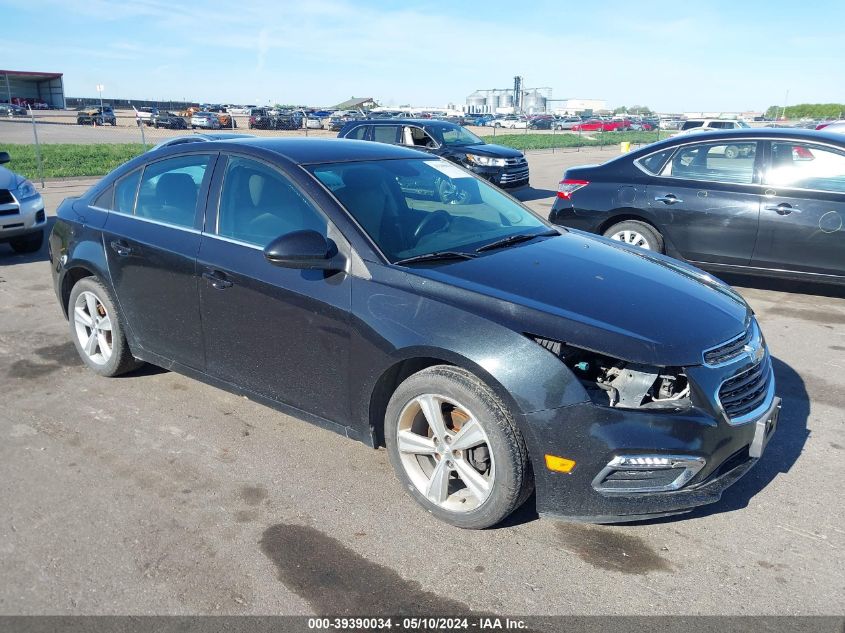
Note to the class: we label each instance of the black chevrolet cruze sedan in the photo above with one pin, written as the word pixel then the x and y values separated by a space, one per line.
pixel 766 202
pixel 503 166
pixel 489 352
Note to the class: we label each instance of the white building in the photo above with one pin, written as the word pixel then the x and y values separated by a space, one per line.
pixel 577 106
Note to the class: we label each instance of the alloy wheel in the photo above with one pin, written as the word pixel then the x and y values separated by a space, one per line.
pixel 93 327
pixel 445 453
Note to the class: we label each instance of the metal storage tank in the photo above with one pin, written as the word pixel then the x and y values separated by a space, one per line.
pixel 534 102
pixel 492 101
pixel 506 99
pixel 476 102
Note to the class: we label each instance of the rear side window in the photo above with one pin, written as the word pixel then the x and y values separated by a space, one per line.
pixel 169 189
pixel 105 200
pixel 386 133
pixel 653 163
pixel 714 162
pixel 358 133
pixel 688 125
pixel 804 166
pixel 124 192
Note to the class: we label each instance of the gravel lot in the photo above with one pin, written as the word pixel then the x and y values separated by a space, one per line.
pixel 154 493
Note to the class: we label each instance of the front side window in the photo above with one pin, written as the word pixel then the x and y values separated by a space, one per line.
pixel 805 166
pixel 124 192
pixel 169 189
pixel 459 136
pixel 258 204
pixel 419 206
pixel 714 162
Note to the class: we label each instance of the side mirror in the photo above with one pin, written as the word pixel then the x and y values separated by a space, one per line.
pixel 304 250
pixel 4 158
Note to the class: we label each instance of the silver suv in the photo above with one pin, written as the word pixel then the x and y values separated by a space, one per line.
pixel 22 217
pixel 708 125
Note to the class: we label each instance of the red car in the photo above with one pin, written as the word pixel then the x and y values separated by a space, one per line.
pixel 599 125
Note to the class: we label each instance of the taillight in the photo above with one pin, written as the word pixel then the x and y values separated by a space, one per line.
pixel 569 186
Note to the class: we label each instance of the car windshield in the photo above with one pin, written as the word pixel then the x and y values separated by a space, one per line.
pixel 458 136
pixel 415 207
pixel 742 124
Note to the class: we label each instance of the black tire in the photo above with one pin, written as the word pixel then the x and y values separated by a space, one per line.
pixel 651 235
pixel 513 482
pixel 27 243
pixel 121 360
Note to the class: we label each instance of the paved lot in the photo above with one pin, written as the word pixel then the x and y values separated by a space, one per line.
pixel 154 493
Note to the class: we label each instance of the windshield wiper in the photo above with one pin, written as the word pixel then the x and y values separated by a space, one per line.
pixel 514 239
pixel 436 256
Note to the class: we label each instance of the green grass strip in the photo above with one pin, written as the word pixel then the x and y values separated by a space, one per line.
pixel 587 139
pixel 68 160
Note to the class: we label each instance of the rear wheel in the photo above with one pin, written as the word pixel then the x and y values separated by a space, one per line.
pixel 96 329
pixel 637 234
pixel 27 243
pixel 456 449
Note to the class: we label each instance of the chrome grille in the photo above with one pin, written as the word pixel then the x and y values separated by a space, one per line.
pixel 747 390
pixel 514 176
pixel 729 349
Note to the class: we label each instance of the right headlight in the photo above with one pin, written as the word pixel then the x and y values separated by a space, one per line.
pixel 485 161
pixel 612 382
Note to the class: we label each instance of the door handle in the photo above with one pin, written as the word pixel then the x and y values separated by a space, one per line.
pixel 121 248
pixel 783 209
pixel 669 198
pixel 217 279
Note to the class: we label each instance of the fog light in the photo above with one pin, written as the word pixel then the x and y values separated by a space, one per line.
pixel 559 464
pixel 626 474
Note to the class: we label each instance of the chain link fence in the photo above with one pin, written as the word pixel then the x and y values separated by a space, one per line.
pixel 92 140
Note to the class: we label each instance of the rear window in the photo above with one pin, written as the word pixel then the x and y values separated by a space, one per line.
pixel 688 125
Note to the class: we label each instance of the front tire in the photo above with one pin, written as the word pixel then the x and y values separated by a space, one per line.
pixel 456 449
pixel 97 331
pixel 27 243
pixel 638 234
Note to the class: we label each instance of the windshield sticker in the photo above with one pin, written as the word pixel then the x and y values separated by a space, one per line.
pixel 448 169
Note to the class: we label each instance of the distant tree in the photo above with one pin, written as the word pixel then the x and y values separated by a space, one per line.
pixel 808 111
pixel 634 109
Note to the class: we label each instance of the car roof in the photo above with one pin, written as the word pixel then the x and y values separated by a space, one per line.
pixel 800 134
pixel 327 150
pixel 403 121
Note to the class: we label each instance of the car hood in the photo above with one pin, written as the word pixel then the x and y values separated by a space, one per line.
pixel 596 294
pixel 488 149
pixel 9 179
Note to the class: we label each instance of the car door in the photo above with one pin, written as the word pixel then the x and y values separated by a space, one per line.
pixel 278 332
pixel 151 240
pixel 707 200
pixel 803 209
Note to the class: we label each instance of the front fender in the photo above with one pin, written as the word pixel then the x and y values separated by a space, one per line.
pixel 392 323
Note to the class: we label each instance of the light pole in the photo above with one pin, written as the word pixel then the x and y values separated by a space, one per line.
pixel 100 88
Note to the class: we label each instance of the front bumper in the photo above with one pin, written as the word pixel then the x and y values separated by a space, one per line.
pixel 593 437
pixel 509 177
pixel 21 217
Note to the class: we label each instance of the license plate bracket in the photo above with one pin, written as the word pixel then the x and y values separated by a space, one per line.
pixel 764 428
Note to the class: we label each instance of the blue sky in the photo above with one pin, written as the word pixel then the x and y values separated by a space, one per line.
pixel 672 56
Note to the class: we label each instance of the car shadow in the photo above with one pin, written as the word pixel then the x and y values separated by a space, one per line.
pixel 783 285
pixel 782 452
pixel 529 194
pixel 8 257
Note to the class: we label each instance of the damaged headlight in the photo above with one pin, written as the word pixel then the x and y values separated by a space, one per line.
pixel 618 383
